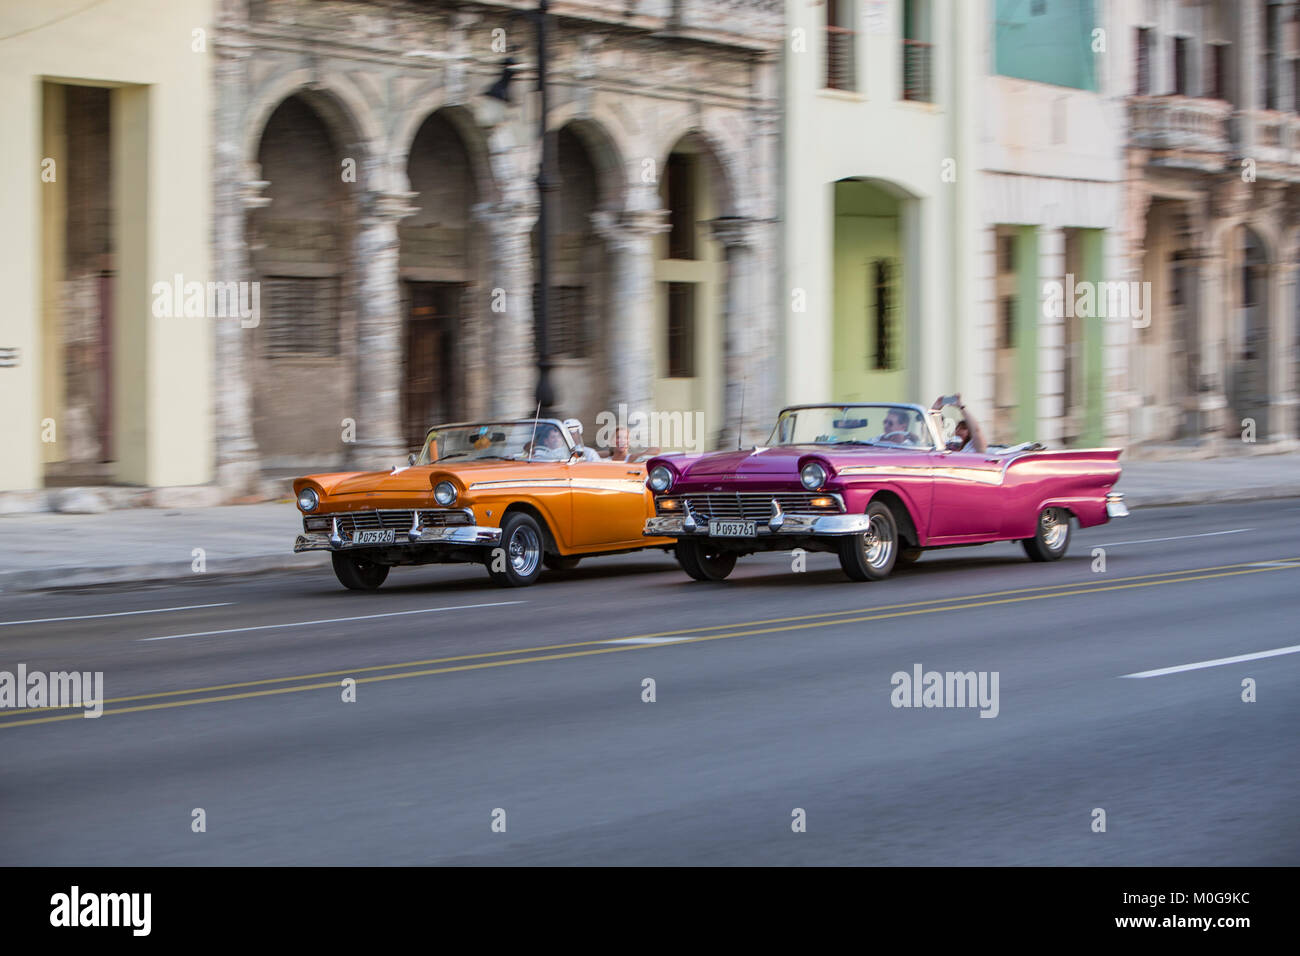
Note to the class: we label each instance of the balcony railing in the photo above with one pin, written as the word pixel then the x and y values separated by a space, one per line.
pixel 917 67
pixel 1276 136
pixel 1180 123
pixel 841 65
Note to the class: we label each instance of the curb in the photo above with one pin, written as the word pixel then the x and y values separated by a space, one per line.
pixel 1215 496
pixel 157 572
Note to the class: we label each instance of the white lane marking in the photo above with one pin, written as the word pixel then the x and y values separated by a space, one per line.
pixel 1274 564
pixel 1179 537
pixel 1160 672
pixel 648 640
pixel 328 620
pixel 86 617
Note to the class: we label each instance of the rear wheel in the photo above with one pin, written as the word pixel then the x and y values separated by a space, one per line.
pixel 1052 538
pixel 358 574
pixel 704 563
pixel 517 561
pixel 558 562
pixel 870 556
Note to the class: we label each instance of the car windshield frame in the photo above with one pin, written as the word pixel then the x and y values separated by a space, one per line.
pixel 489 454
pixel 928 441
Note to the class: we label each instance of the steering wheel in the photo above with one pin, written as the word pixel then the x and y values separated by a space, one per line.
pixel 905 437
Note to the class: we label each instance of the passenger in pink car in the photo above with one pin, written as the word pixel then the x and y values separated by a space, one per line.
pixel 967 436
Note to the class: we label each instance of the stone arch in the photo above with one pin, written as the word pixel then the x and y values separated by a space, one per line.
pixel 444 271
pixel 353 127
pixel 302 251
pixel 608 151
pixel 1269 235
pixel 477 143
pixel 723 165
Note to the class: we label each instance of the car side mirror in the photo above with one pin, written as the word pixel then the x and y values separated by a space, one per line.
pixel 410 459
pixel 576 455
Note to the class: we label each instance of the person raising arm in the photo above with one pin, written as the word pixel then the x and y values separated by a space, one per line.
pixel 968 431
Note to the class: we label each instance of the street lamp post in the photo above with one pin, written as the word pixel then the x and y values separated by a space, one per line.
pixel 545 188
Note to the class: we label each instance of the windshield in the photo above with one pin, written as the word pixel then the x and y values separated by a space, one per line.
pixel 887 425
pixel 495 440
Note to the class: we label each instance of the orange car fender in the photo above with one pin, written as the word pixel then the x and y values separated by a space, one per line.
pixel 554 510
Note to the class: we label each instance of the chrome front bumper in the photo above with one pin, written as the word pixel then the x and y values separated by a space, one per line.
pixel 455 535
pixel 1115 507
pixel 788 525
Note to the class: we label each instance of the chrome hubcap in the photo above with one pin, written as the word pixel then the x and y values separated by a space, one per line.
pixel 878 543
pixel 1054 524
pixel 525 551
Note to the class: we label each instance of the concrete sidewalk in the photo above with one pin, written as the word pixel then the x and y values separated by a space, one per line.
pixel 39 551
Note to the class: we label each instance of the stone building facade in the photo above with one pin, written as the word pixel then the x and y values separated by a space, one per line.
pixel 388 209
pixel 1213 196
pixel 1051 200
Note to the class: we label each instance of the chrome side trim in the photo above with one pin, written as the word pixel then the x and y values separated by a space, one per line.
pixel 455 535
pixel 678 526
pixel 521 483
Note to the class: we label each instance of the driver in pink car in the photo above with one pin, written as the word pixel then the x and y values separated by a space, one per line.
pixel 895 428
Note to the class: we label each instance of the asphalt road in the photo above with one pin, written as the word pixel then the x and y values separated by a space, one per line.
pixel 776 695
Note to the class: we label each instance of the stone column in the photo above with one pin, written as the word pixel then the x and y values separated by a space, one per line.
pixel 1212 401
pixel 1050 380
pixel 1216 304
pixel 630 359
pixel 238 192
pixel 379 333
pixel 1281 357
pixel 743 358
pixel 508 308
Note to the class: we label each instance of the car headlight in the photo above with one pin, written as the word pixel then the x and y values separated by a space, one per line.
pixel 308 499
pixel 812 476
pixel 444 492
pixel 660 480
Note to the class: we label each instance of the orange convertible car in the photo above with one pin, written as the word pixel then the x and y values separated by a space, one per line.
pixel 513 496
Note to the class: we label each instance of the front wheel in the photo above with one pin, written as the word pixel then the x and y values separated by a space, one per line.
pixel 703 563
pixel 1052 537
pixel 870 556
pixel 358 574
pixel 517 561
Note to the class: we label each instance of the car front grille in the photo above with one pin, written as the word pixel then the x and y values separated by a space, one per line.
pixel 752 505
pixel 397 519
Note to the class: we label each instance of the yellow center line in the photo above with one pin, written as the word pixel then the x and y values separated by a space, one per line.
pixel 1091 583
pixel 804 623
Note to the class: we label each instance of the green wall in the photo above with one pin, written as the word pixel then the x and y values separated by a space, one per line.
pixel 1028 308
pixel 1093 333
pixel 867 228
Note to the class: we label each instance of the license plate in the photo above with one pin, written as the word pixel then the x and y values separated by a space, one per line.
pixel 732 529
pixel 373 537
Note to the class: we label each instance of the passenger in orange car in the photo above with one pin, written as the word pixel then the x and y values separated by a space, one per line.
pixel 623 452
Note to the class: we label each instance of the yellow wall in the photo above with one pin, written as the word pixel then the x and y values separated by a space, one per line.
pixel 162 112
pixel 703 391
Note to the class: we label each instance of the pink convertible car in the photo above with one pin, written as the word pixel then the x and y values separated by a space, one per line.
pixel 833 479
